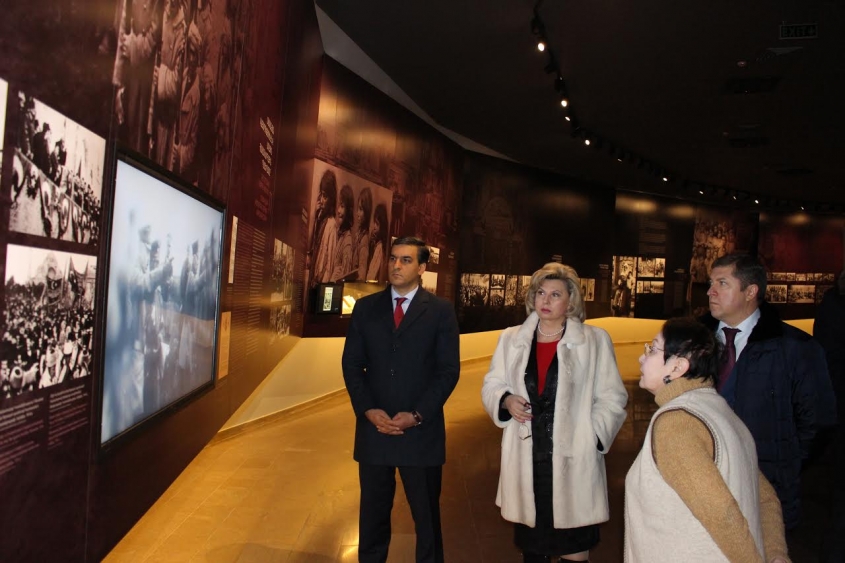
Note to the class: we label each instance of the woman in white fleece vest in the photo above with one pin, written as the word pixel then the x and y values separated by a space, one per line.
pixel 695 493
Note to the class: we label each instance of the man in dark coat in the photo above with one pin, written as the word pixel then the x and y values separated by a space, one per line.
pixel 829 329
pixel 400 364
pixel 779 385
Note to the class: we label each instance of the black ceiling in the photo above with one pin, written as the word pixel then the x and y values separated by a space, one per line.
pixel 661 79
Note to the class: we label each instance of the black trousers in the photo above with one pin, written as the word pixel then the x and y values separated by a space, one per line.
pixel 422 489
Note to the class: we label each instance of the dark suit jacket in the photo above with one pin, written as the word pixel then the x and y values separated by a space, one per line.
pixel 412 368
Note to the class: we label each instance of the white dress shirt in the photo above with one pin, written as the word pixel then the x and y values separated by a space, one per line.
pixel 408 297
pixel 745 328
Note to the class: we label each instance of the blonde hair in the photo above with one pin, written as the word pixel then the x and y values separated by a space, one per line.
pixel 569 277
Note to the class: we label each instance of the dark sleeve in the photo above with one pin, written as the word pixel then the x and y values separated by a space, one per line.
pixel 447 361
pixel 504 415
pixel 354 363
pixel 813 401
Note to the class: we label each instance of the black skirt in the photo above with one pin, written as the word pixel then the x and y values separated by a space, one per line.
pixel 544 538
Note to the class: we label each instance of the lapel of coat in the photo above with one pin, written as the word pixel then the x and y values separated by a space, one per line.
pixel 417 307
pixel 383 310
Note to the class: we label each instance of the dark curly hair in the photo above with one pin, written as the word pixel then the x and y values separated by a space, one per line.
pixel 687 338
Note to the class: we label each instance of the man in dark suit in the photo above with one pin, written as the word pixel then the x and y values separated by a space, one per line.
pixel 773 375
pixel 400 364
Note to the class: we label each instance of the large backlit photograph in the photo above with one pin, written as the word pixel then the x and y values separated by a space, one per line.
pixel 163 297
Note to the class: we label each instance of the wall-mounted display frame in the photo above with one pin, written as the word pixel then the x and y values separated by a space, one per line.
pixel 162 296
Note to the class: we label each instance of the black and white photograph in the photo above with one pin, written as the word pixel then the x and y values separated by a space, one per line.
pixel 176 74
pixel 657 286
pixel 475 290
pixel 429 281
pixel 776 293
pixel 829 277
pixel 4 92
pixel 776 276
pixel 511 290
pixel 279 321
pixel 642 287
pixel 801 294
pixel 162 303
pixel 622 294
pixel 434 258
pixel 802 277
pixel 48 319
pixel 349 227
pixel 588 289
pixel 497 281
pixel 497 298
pixel 659 267
pixel 645 267
pixel 57 176
pixel 790 276
pixel 282 275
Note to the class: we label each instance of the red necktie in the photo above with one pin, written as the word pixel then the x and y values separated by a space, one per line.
pixel 398 312
pixel 729 359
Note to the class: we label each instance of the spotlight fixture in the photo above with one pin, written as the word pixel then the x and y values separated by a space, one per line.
pixel 587 142
pixel 802 208
pixel 665 178
pixel 541 46
pixel 757 201
pixel 701 192
pixel 564 102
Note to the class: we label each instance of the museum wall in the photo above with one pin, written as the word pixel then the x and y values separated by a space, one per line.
pixel 514 219
pixel 106 301
pixel 407 174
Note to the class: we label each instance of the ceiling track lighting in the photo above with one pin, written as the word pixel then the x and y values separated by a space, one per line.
pixel 552 66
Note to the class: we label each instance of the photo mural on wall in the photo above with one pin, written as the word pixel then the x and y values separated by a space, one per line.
pixel 57 175
pixel 625 278
pixel 362 132
pixel 175 74
pixel 348 231
pixel 717 232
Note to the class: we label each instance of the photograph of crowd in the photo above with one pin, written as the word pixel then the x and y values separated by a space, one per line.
pixel 776 293
pixel 48 319
pixel 162 299
pixel 802 277
pixel 176 71
pixel 57 176
pixel 776 276
pixel 712 238
pixel 511 290
pixel 4 91
pixel 801 294
pixel 648 267
pixel 649 287
pixel 348 231
pixel 588 289
pixel 475 290
pixel 622 294
pixel 497 281
pixel 282 277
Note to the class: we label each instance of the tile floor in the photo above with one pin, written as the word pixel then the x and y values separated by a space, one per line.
pixel 287 491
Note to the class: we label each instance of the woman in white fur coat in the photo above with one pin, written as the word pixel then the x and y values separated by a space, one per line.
pixel 555 390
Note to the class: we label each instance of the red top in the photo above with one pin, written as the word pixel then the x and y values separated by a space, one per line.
pixel 545 352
